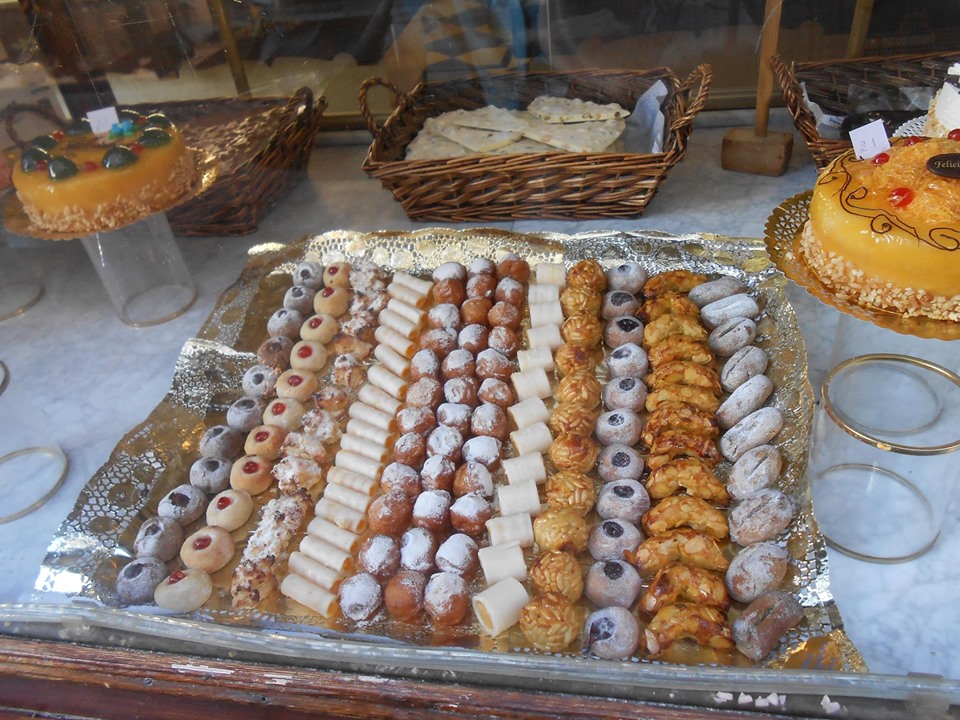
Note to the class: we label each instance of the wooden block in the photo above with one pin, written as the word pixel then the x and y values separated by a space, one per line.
pixel 744 151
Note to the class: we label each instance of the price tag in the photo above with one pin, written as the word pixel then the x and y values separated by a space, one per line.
pixel 102 120
pixel 869 139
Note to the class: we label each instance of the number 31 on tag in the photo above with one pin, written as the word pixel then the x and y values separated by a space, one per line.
pixel 869 139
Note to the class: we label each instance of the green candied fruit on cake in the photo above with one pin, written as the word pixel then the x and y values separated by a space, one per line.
pixel 31 156
pixel 61 168
pixel 158 120
pixel 78 127
pixel 119 156
pixel 154 137
pixel 44 142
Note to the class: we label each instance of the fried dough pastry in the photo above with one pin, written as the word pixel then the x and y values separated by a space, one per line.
pixel 671 303
pixel 691 475
pixel 682 545
pixel 667 325
pixel 678 347
pixel 676 281
pixel 704 625
pixel 698 397
pixel 672 444
pixel 685 583
pixel 685 511
pixel 588 274
pixel 582 329
pixel 576 300
pixel 679 416
pixel 347 344
pixel 581 388
pixel 685 372
pixel 573 417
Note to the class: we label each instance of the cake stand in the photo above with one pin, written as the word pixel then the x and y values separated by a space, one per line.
pixel 139 264
pixel 860 331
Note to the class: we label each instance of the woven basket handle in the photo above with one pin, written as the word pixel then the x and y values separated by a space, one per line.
pixel 793 94
pixel 398 97
pixel 43 108
pixel 700 78
pixel 301 102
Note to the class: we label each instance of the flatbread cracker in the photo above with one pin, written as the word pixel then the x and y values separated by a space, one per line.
pixel 586 137
pixel 491 118
pixel 573 110
pixel 524 145
pixel 429 145
pixel 472 138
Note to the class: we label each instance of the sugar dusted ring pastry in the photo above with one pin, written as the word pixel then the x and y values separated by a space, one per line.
pixel 183 504
pixel 625 392
pixel 625 500
pixel 221 441
pixel 610 539
pixel 628 276
pixel 245 414
pixel 298 298
pixel 309 273
pixel 138 579
pixel 624 329
pixel 259 381
pixel 159 537
pixel 628 360
pixel 275 353
pixel 211 475
pixel 619 462
pixel 612 582
pixel 612 633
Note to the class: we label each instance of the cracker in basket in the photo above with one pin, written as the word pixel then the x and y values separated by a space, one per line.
pixel 573 110
pixel 429 145
pixel 585 137
pixel 490 118
pixel 524 145
pixel 475 139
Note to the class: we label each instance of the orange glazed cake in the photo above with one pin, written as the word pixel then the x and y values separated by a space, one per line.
pixel 885 232
pixel 75 181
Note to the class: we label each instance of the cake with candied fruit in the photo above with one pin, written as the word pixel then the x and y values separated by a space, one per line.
pixel 943 116
pixel 74 181
pixel 884 232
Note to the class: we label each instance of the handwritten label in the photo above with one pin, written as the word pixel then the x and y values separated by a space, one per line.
pixel 102 120
pixel 946 165
pixel 869 139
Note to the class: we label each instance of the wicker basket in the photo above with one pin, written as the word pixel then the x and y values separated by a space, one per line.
pixel 262 146
pixel 536 185
pixel 828 83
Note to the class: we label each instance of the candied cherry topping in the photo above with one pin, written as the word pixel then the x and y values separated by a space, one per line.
pixel 294 380
pixel 901 197
pixel 333 269
pixel 202 543
pixel 912 140
pixel 90 166
pixel 954 134
pixel 316 322
pixel 262 436
pixel 224 503
pixel 251 466
pixel 305 352
pixel 327 292
pixel 880 159
pixel 279 408
pixel 136 147
pixel 57 135
pixel 175 577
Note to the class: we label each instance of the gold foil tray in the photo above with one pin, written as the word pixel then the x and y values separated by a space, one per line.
pixel 97 537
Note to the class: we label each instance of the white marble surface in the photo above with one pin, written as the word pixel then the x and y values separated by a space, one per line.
pixel 91 378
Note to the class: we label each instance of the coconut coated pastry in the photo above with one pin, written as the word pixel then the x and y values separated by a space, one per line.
pixel 76 182
pixel 885 232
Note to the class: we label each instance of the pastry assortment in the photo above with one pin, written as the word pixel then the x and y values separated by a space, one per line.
pixel 585 455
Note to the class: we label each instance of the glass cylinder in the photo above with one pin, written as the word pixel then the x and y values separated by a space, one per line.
pixel 883 460
pixel 20 286
pixel 143 271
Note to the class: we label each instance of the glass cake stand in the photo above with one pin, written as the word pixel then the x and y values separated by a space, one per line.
pixel 140 264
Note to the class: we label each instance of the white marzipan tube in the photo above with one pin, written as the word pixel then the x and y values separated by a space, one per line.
pixel 498 607
pixel 522 468
pixel 502 561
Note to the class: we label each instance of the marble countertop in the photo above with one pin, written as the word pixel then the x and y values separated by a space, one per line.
pixel 89 379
